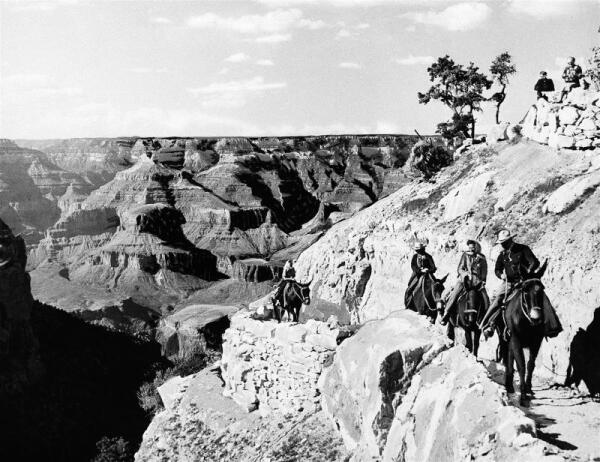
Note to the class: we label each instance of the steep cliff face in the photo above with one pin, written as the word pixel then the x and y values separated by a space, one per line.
pixel 548 198
pixel 18 346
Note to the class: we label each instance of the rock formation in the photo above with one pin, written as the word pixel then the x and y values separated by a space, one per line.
pixel 547 197
pixel 18 345
pixel 572 124
pixel 275 367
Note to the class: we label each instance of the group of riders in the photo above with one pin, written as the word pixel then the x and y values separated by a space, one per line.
pixel 515 264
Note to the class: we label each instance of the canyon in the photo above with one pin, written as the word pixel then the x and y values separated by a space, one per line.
pixel 175 243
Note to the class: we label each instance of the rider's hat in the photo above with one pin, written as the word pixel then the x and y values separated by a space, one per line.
pixel 419 245
pixel 471 241
pixel 503 236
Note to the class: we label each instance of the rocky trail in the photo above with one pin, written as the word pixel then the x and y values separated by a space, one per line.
pixel 566 419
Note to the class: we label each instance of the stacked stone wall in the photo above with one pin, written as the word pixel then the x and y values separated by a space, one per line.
pixel 572 124
pixel 275 367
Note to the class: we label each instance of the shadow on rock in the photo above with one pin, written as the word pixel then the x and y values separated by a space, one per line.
pixel 584 358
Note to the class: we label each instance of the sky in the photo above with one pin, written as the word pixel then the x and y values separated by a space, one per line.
pixel 77 68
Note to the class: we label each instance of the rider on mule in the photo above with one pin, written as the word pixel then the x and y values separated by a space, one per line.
pixel 288 275
pixel 472 268
pixel 422 263
pixel 514 265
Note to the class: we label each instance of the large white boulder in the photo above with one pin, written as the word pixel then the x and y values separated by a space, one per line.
pixel 572 192
pixel 497 132
pixel 568 115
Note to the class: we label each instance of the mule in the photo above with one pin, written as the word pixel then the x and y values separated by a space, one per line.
pixel 426 298
pixel 294 295
pixel 471 308
pixel 524 316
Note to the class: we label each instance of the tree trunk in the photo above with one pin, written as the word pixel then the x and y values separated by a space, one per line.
pixel 498 113
pixel 500 101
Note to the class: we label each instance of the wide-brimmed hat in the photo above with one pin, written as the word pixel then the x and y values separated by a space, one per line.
pixel 503 236
pixel 419 245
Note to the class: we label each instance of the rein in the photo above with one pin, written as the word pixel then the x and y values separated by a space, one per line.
pixel 524 305
pixel 295 289
pixel 432 294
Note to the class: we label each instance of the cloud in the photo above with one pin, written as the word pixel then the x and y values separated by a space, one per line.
pixel 273 22
pixel 458 17
pixel 344 33
pixel 411 60
pixel 19 86
pixel 363 25
pixel 337 3
pixel 349 65
pixel 237 58
pixel 273 38
pixel 38 6
pixel 233 93
pixel 160 20
pixel 148 70
pixel 541 9
pixel 265 62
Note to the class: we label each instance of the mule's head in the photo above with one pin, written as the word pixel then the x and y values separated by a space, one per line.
pixel 305 293
pixel 533 296
pixel 438 290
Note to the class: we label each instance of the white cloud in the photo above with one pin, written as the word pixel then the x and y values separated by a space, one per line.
pixel 237 58
pixel 349 65
pixel 265 62
pixel 233 93
pixel 340 3
pixel 17 86
pixel 363 25
pixel 541 9
pixel 411 60
pixel 344 33
pixel 149 70
pixel 38 6
pixel 273 38
pixel 223 71
pixel 160 20
pixel 458 17
pixel 273 22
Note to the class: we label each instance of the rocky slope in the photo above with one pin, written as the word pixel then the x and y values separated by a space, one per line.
pixel 395 391
pixel 549 198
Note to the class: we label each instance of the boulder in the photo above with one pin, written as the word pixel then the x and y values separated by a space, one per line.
pixel 453 411
pixel 462 199
pixel 568 115
pixel 560 141
pixel 584 143
pixel 369 370
pixel 569 194
pixel 171 391
pixel 497 132
pixel 587 124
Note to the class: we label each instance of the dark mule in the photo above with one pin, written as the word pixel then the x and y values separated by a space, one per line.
pixel 293 296
pixel 524 315
pixel 426 298
pixel 471 308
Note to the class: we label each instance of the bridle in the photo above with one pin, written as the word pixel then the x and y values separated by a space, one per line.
pixel 299 294
pixel 525 307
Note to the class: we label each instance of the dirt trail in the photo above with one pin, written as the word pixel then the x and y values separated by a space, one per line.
pixel 565 418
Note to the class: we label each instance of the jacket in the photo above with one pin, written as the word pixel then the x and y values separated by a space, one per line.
pixel 517 262
pixel 473 266
pixel 572 74
pixel 421 261
pixel 544 84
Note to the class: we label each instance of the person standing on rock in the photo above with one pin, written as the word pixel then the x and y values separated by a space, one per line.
pixel 571 75
pixel 514 265
pixel 472 268
pixel 543 85
pixel 421 264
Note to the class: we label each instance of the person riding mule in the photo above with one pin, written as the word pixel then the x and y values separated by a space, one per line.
pixel 472 269
pixel 421 264
pixel 515 264
pixel 287 275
